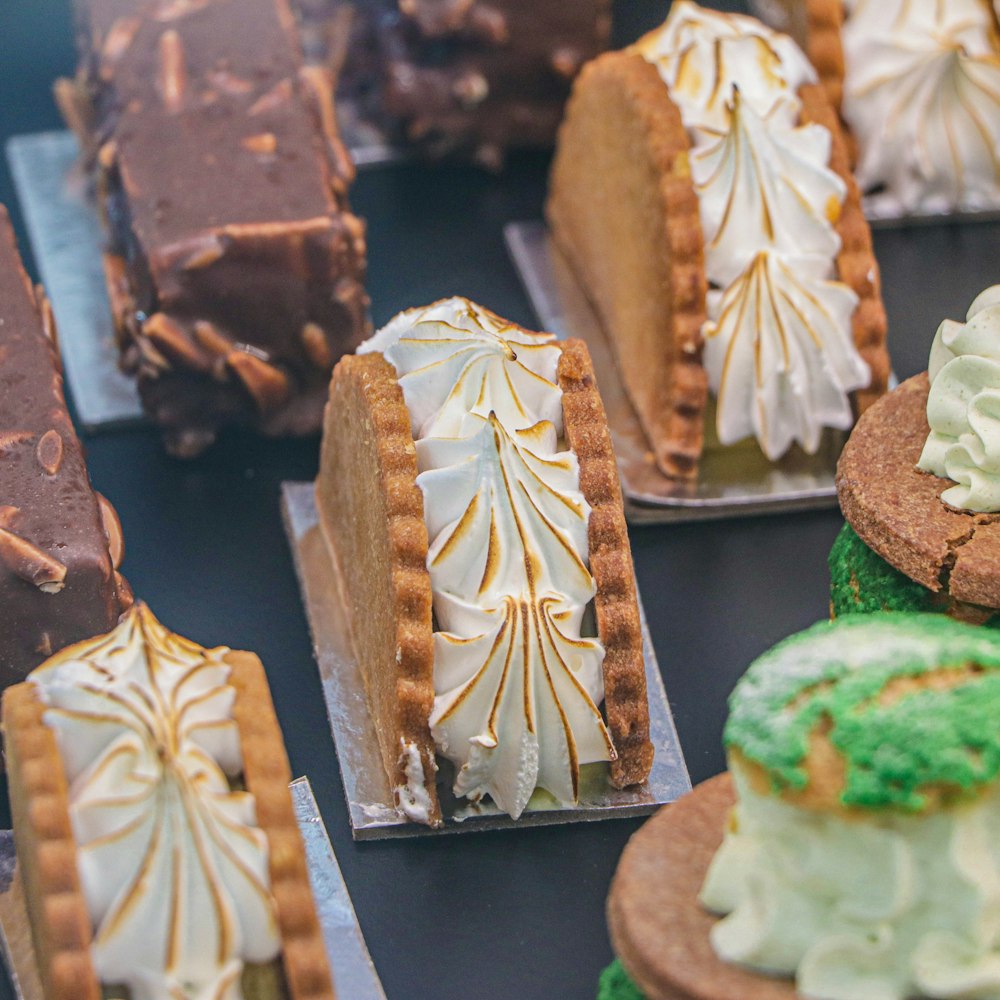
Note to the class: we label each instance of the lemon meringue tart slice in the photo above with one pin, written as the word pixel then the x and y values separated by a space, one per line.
pixel 154 827
pixel 469 495
pixel 702 195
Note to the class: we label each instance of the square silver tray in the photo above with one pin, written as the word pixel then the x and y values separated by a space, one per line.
pixel 67 240
pixel 369 798
pixel 353 972
pixel 732 482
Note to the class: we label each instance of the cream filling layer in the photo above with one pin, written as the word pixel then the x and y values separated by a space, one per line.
pixel 518 668
pixel 779 347
pixel 173 866
pixel 963 407
pixel 922 97
pixel 886 907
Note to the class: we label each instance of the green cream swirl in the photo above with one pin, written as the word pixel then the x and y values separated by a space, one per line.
pixel 834 674
pixel 963 407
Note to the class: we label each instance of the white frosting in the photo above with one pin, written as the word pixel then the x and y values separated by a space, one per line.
pixel 922 97
pixel 963 407
pixel 172 864
pixel 766 185
pixel 779 347
pixel 701 54
pixel 776 356
pixel 885 908
pixel 518 669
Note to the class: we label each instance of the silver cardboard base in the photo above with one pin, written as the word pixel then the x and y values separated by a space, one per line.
pixel 353 972
pixel 366 786
pixel 732 482
pixel 67 240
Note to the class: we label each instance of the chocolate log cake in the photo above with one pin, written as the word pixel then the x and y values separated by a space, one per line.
pixel 467 77
pixel 60 542
pixel 235 268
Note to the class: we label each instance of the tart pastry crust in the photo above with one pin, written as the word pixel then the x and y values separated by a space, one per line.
pixel 372 516
pixel 47 851
pixel 649 289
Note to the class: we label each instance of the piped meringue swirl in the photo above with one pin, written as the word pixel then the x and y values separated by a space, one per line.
pixel 776 357
pixel 779 348
pixel 518 668
pixel 173 867
pixel 922 97
pixel 766 185
pixel 702 54
pixel 963 407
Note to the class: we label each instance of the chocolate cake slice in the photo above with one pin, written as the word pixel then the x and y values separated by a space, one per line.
pixel 235 267
pixel 60 542
pixel 462 78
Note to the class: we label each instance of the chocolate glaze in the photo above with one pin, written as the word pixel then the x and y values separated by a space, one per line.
pixel 235 267
pixel 60 542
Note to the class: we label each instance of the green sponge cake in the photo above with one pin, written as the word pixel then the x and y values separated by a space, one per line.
pixel 861 855
pixel 919 484
pixel 861 581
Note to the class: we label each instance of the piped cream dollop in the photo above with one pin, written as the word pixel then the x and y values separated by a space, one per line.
pixel 779 348
pixel 518 668
pixel 922 97
pixel 963 407
pixel 173 866
pixel 890 908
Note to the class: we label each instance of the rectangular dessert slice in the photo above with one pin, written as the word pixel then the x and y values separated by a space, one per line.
pixel 154 827
pixel 60 542
pixel 491 598
pixel 235 267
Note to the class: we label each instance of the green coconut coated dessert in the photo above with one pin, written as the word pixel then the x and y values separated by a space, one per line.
pixel 616 985
pixel 851 678
pixel 862 581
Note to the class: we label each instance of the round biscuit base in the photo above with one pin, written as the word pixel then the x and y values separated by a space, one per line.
pixel 659 930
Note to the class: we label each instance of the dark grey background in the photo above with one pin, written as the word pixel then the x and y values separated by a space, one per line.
pixel 487 916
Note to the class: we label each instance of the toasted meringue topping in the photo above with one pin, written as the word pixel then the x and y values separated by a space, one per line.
pixel 172 864
pixel 517 680
pixel 922 96
pixel 776 355
pixel 766 185
pixel 779 347
pixel 963 407
pixel 702 54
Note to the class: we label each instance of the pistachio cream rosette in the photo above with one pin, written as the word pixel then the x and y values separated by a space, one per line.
pixel 851 850
pixel 919 484
pixel 154 828
pixel 917 83
pixel 469 496
pixel 718 231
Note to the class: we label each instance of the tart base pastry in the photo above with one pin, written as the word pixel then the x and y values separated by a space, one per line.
pixel 372 516
pixel 622 179
pixel 47 851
